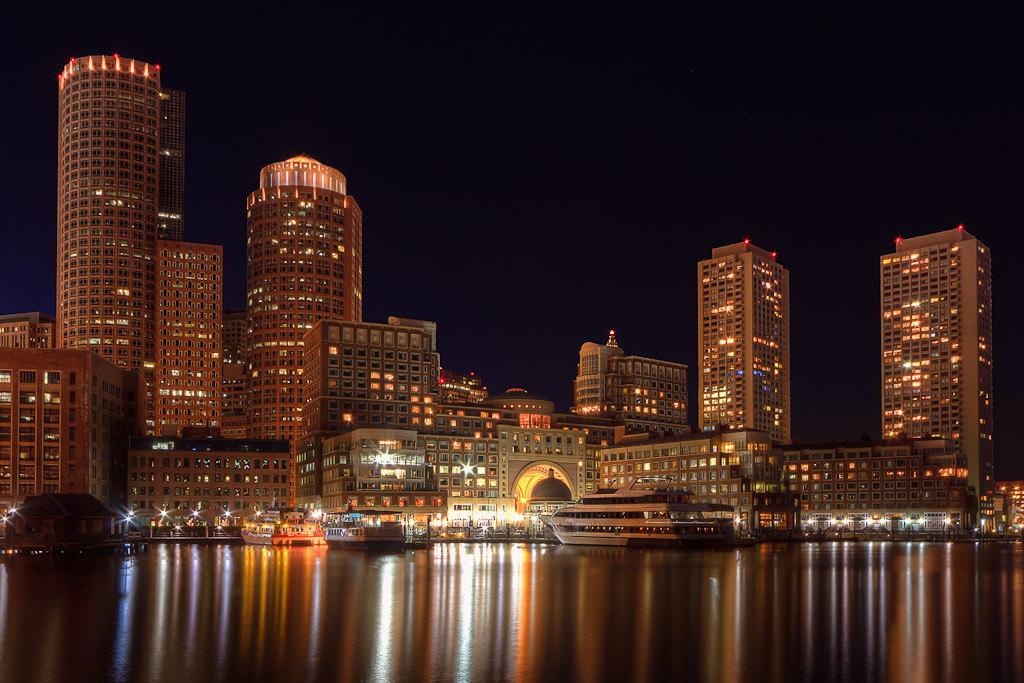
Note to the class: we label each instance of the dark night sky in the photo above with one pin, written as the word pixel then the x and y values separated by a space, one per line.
pixel 531 179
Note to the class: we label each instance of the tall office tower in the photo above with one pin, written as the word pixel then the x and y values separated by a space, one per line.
pixel 232 381
pixel 936 296
pixel 744 340
pixel 188 364
pixel 305 243
pixel 171 209
pixel 107 198
pixel 640 394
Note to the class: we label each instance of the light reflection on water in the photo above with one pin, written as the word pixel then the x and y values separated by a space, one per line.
pixel 816 612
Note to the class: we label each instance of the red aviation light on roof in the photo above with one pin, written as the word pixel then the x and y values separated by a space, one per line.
pixel 156 66
pixel 899 240
pixel 960 227
pixel 746 241
pixel 774 254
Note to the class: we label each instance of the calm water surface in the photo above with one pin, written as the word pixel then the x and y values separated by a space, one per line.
pixel 816 612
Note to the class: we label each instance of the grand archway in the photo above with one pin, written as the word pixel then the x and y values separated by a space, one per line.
pixel 531 476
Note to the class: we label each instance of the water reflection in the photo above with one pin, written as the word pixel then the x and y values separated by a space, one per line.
pixel 838 611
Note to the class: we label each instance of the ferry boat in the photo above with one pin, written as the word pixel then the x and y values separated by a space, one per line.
pixel 656 517
pixel 283 527
pixel 387 536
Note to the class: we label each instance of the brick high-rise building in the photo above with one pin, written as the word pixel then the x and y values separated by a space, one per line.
pixel 108 193
pixel 936 300
pixel 743 303
pixel 27 331
pixel 188 364
pixel 233 416
pixel 304 264
pixel 641 394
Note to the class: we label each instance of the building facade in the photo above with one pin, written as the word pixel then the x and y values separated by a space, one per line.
pixel 641 394
pixel 897 485
pixel 108 191
pixel 304 264
pixel 380 470
pixel 27 331
pixel 233 394
pixel 207 479
pixel 743 303
pixel 936 307
pixel 65 419
pixel 741 468
pixel 171 206
pixel 188 362
pixel 461 387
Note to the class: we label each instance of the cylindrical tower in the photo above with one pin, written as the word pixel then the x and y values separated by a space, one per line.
pixel 304 251
pixel 107 197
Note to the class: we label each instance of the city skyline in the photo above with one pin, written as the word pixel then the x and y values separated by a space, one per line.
pixel 452 223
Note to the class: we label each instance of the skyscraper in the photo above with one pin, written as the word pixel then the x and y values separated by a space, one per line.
pixel 744 340
pixel 171 209
pixel 305 243
pixel 107 198
pixel 936 301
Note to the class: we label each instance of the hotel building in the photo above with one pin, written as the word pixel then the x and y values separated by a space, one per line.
pixel 460 387
pixel 65 419
pixel 936 301
pixel 304 264
pixel 743 299
pixel 188 363
pixel 642 394
pixel 26 331
pixel 897 485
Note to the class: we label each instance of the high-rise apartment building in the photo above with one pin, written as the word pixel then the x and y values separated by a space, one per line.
pixel 936 301
pixel 107 198
pixel 641 394
pixel 304 264
pixel 232 381
pixel 171 208
pixel 743 303
pixel 188 364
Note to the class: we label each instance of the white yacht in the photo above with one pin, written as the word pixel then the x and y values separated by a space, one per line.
pixel 656 517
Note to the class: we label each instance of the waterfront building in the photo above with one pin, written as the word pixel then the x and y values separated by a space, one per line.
pixel 460 387
pixel 741 468
pixel 898 484
pixel 233 395
pixel 642 394
pixel 1008 506
pixel 27 331
pixel 110 129
pixel 743 337
pixel 65 419
pixel 304 264
pixel 205 479
pixel 188 363
pixel 936 306
pixel 383 471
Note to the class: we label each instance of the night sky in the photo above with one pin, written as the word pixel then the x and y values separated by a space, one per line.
pixel 531 179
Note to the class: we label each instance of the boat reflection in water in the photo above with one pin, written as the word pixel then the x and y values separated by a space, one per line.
pixel 638 517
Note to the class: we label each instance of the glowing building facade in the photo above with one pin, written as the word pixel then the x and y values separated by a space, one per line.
pixel 641 394
pixel 27 331
pixel 743 299
pixel 188 363
pixel 304 264
pixel 936 301
pixel 233 394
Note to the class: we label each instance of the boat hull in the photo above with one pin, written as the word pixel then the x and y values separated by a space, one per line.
pixel 638 540
pixel 281 540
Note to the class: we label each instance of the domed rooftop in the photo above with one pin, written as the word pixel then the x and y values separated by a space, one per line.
pixel 550 489
pixel 515 397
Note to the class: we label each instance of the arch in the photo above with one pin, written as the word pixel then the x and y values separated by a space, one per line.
pixel 528 477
